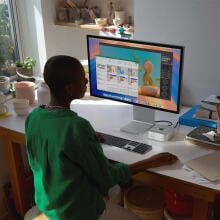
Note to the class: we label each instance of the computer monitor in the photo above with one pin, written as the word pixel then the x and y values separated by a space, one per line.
pixel 144 74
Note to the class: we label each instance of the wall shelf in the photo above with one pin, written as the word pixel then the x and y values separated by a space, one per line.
pixel 90 26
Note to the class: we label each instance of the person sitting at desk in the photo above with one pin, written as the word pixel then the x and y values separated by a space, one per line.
pixel 72 176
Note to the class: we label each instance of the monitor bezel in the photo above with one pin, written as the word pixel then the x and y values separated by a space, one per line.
pixel 173 46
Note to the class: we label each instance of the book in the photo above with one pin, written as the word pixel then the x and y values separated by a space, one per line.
pixel 188 119
pixel 208 106
pixel 206 114
pixel 204 136
pixel 212 100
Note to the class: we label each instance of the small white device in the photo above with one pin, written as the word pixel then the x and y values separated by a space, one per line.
pixel 160 132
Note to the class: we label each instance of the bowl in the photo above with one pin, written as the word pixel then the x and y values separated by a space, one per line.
pixel 21 106
pixel 21 103
pixel 100 21
pixel 21 111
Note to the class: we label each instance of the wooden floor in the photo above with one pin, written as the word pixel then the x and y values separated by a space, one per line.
pixel 8 218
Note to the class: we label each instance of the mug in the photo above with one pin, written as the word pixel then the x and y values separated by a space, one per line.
pixel 25 90
pixel 3 109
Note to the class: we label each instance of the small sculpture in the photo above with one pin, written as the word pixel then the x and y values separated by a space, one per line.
pixel 111 13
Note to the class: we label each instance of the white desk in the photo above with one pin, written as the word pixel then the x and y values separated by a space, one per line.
pixel 108 116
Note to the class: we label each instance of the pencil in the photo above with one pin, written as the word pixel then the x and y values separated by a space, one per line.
pixel 218 122
pixel 218 111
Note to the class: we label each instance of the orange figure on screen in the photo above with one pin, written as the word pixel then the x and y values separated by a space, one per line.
pixel 148 68
pixel 149 87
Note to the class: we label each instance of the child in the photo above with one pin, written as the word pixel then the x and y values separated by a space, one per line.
pixel 71 174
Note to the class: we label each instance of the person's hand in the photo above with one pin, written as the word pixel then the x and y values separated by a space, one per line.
pixel 100 137
pixel 157 160
pixel 161 160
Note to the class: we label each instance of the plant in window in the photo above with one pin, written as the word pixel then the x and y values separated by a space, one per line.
pixel 25 68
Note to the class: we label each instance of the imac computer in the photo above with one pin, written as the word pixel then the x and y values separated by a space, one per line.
pixel 144 74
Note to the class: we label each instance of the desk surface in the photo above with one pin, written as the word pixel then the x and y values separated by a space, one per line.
pixel 109 116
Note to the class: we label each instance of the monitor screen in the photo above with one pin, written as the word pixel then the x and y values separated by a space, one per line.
pixel 141 73
pixel 135 72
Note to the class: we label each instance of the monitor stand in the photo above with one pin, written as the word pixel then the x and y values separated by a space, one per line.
pixel 143 120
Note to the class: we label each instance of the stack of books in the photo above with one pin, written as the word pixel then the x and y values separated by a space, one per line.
pixel 207 109
pixel 203 114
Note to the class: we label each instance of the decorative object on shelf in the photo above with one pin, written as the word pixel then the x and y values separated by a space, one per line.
pixel 111 12
pixel 79 12
pixel 123 34
pixel 120 16
pixel 104 29
pixel 78 22
pixel 121 30
pixel 112 30
pixel 116 21
pixel 72 14
pixel 101 21
pixel 24 69
pixel 62 14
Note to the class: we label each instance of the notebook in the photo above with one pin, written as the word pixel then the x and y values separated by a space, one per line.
pixel 196 136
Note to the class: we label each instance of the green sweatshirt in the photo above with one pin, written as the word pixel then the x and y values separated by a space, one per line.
pixel 71 173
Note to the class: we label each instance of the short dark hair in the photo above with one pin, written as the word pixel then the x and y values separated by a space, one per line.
pixel 59 71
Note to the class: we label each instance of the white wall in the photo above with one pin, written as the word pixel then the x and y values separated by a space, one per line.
pixel 191 23
pixel 41 38
pixel 194 24
pixel 61 39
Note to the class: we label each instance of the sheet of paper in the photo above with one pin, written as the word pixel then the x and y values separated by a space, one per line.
pixel 208 165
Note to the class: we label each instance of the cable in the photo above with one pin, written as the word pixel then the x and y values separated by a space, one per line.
pixel 164 121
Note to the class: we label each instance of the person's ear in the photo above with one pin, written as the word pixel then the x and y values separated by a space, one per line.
pixel 69 90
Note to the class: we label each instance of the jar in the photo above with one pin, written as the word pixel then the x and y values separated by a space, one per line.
pixel 43 94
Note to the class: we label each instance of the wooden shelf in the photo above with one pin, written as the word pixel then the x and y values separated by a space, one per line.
pixel 71 24
pixel 90 26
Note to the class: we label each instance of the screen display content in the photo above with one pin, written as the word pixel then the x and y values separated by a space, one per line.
pixel 135 72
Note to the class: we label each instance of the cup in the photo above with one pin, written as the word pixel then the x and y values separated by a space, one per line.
pixel 21 106
pixel 3 109
pixel 25 90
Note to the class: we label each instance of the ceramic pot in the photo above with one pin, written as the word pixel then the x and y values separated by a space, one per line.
pixel 25 90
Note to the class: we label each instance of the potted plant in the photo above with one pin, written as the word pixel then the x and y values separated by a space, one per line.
pixel 25 68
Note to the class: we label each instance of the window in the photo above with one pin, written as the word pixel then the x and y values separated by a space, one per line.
pixel 9 52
